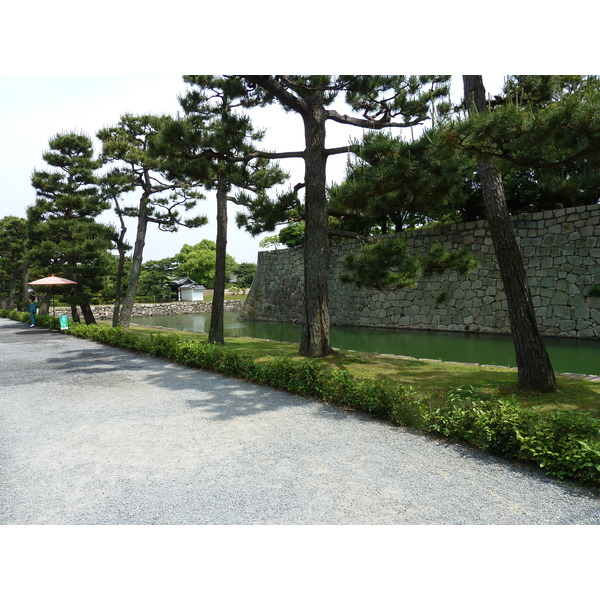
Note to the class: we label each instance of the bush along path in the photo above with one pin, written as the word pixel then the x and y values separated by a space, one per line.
pixel 565 444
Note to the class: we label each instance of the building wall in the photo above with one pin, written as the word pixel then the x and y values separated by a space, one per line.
pixel 192 295
pixel 561 253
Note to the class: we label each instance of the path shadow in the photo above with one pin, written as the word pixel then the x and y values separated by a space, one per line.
pixel 222 397
pixel 34 331
pixel 99 359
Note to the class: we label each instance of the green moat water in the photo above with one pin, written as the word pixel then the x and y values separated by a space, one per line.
pixel 567 355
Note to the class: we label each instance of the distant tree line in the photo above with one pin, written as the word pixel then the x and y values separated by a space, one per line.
pixel 155 281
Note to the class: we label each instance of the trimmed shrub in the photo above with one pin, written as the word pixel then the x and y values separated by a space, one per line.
pixel 563 443
pixel 488 424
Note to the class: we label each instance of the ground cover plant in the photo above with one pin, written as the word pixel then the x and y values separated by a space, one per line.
pixel 559 432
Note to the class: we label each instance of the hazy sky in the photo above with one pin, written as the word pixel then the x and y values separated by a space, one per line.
pixel 34 108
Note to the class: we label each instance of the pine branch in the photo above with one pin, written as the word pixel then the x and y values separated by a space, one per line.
pixel 270 155
pixel 271 85
pixel 351 234
pixel 384 121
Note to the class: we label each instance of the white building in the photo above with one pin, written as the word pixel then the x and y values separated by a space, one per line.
pixel 188 290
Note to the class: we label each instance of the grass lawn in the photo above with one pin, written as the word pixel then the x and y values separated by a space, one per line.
pixel 208 296
pixel 433 378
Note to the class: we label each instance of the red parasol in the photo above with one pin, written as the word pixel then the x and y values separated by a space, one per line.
pixel 53 280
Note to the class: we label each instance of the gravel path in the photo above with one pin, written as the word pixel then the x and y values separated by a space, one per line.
pixel 94 435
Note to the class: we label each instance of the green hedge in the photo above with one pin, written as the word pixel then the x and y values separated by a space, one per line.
pixel 565 444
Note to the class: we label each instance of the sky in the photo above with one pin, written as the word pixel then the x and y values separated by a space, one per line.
pixel 64 67
pixel 33 108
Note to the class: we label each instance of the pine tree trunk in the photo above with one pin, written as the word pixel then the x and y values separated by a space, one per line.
pixel 215 334
pixel 119 281
pixel 88 315
pixel 25 286
pixel 12 289
pixel 44 304
pixel 315 331
pixel 534 367
pixel 124 319
pixel 74 312
pixel 118 300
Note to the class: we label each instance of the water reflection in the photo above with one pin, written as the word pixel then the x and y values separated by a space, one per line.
pixel 567 355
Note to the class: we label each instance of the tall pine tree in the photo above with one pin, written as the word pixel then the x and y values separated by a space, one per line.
pixel 13 266
pixel 381 101
pixel 161 200
pixel 534 367
pixel 213 146
pixel 63 235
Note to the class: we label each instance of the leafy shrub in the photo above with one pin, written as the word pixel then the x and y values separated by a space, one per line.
pixel 15 315
pixel 411 410
pixel 113 336
pixel 488 424
pixel 298 377
pixel 563 443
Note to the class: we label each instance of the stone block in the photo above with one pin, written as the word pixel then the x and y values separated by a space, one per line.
pixel 561 312
pixel 549 241
pixel 561 285
pixel 581 312
pixel 577 300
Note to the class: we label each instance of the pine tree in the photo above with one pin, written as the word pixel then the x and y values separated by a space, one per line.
pixel 393 183
pixel 213 146
pixel 113 185
pixel 382 101
pixel 534 367
pixel 13 266
pixel 63 236
pixel 544 135
pixel 160 200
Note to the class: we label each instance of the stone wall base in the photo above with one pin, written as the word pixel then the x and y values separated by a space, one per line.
pixel 104 312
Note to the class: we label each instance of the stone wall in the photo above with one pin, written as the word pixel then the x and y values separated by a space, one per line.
pixel 105 312
pixel 561 252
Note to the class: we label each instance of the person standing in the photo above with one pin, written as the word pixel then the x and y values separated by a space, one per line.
pixel 32 309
